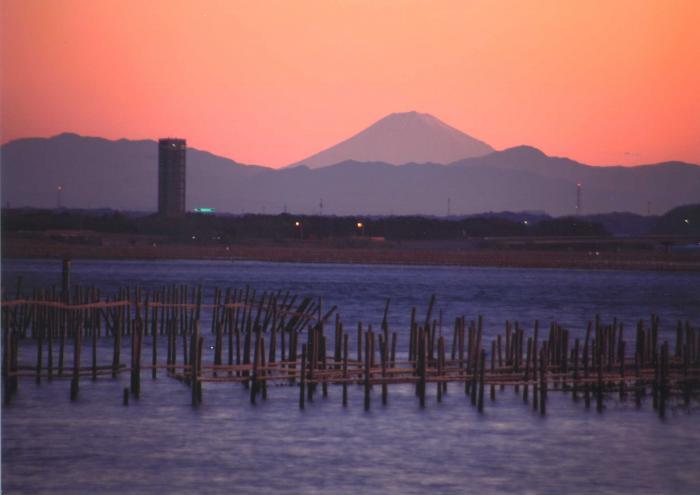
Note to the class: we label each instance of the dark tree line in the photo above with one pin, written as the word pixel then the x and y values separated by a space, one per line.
pixel 227 228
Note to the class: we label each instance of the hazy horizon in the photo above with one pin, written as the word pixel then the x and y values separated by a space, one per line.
pixel 301 162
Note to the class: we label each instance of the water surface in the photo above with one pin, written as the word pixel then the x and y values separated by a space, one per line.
pixel 160 444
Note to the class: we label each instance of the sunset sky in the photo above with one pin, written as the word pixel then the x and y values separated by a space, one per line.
pixel 270 82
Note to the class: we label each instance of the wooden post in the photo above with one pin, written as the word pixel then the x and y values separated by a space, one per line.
pixel 663 388
pixel 359 342
pixel 254 375
pixel 492 387
pixel 322 349
pixel 174 325
pixel 293 354
pixel 154 339
pixel 218 345
pixel 527 369
pixel 384 356
pixel 136 338
pixel 599 386
pixel 312 355
pixel 482 360
pixel 509 345
pixel 474 389
pixel 61 339
pixel 574 392
pixel 368 361
pixel 262 384
pixel 460 343
pixel 422 365
pixel 49 342
pixel 39 348
pixel 95 325
pixel 412 338
pixel 441 345
pixel 543 378
pixel 498 346
pixel 231 323
pixel 302 377
pixel 345 370
pixel 194 365
pixel 117 343
pixel 7 358
pixel 75 382
pixel 200 345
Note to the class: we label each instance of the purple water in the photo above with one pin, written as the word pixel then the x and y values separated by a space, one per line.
pixel 160 444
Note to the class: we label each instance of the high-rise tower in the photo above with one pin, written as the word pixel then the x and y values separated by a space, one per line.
pixel 171 176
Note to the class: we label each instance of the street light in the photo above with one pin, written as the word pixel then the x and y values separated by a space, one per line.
pixel 298 225
pixel 361 228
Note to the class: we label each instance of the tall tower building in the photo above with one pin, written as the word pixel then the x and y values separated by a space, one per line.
pixel 171 176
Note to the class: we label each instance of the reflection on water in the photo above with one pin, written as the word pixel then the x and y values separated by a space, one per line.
pixel 160 444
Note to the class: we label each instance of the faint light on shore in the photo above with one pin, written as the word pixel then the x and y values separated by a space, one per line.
pixel 297 223
pixel 686 220
pixel 360 225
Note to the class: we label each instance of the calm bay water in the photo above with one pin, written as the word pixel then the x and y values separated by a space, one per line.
pixel 161 444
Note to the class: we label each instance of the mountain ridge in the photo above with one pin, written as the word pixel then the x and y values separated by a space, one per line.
pixel 122 174
pixel 400 138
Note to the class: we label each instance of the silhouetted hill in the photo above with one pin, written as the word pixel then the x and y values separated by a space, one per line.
pixel 684 220
pixel 661 186
pixel 98 173
pixel 401 138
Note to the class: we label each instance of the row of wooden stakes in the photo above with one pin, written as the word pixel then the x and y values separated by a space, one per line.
pixel 261 338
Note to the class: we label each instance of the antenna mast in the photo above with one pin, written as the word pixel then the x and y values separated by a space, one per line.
pixel 578 198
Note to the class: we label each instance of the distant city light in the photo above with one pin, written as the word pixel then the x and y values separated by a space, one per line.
pixel 297 223
pixel 525 222
pixel 204 210
pixel 360 225
pixel 686 220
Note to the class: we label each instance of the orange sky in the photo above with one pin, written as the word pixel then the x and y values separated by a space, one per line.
pixel 603 82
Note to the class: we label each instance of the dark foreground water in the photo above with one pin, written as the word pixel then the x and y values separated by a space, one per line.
pixel 160 444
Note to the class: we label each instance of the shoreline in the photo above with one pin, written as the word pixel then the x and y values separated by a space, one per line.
pixel 407 254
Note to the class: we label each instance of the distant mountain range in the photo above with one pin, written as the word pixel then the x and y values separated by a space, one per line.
pixel 399 138
pixel 99 173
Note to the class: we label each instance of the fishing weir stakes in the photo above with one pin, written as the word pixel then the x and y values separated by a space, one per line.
pixel 276 338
